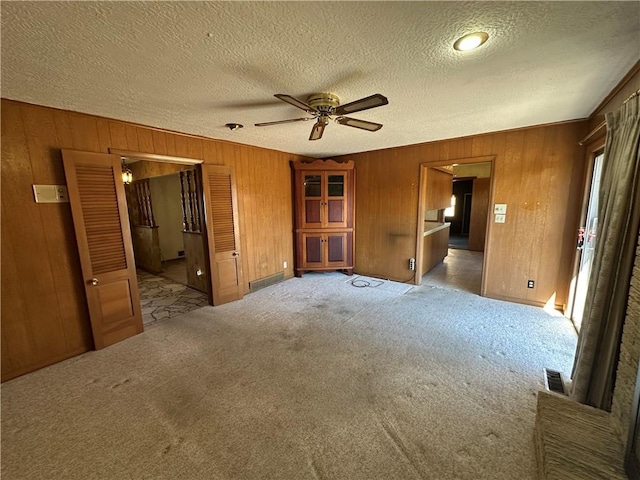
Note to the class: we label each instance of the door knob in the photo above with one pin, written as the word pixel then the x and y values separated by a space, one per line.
pixel 94 282
pixel 235 254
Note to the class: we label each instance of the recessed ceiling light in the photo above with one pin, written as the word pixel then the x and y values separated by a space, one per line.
pixel 470 41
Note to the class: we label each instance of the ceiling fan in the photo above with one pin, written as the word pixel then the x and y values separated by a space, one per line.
pixel 324 106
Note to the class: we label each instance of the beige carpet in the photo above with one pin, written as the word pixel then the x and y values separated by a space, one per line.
pixel 312 378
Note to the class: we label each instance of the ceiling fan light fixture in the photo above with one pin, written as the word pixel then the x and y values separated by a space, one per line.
pixel 470 41
pixel 233 126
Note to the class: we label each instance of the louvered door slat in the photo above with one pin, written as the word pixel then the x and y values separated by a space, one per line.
pixel 222 209
pixel 102 220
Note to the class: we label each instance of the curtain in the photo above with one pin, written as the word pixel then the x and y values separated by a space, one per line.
pixel 617 235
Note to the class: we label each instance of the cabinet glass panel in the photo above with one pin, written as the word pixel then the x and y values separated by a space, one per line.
pixel 312 185
pixel 335 185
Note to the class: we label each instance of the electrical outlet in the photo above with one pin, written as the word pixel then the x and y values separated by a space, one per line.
pixel 412 264
pixel 284 264
pixel 530 284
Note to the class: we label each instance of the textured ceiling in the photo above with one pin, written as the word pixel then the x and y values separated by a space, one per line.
pixel 194 66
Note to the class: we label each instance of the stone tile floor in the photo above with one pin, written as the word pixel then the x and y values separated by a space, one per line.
pixel 162 299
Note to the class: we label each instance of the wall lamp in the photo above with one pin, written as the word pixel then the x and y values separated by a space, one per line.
pixel 127 174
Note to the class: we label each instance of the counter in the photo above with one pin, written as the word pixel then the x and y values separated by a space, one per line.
pixel 435 246
pixel 433 227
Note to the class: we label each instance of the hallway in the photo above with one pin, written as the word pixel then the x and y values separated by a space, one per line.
pixel 460 270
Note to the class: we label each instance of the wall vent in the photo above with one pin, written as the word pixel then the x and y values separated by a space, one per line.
pixel 553 381
pixel 266 281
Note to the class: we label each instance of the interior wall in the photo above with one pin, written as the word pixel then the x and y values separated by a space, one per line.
pixel 167 212
pixel 537 173
pixel 44 314
pixel 478 170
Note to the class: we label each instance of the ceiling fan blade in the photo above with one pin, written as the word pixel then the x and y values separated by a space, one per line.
pixel 317 130
pixel 295 102
pixel 375 100
pixel 362 124
pixel 265 124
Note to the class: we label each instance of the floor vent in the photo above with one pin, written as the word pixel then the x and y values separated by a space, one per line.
pixel 553 381
pixel 266 281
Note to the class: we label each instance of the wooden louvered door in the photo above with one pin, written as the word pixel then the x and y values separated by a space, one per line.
pixel 101 222
pixel 223 235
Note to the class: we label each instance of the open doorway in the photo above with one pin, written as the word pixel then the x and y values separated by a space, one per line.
pixel 455 200
pixel 165 208
pixel 100 212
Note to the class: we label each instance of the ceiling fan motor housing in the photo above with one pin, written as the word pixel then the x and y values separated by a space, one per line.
pixel 323 102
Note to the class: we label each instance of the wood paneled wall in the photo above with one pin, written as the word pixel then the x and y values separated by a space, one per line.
pixel 144 169
pixel 438 189
pixel 481 196
pixel 44 315
pixel 538 173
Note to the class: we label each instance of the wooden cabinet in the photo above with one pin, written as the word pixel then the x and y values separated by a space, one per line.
pixel 324 192
pixel 435 248
pixel 439 189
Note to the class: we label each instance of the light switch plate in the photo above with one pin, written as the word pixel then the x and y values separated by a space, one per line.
pixel 500 218
pixel 500 208
pixel 50 193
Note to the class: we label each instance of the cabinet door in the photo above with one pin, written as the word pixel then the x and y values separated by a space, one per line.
pixel 312 199
pixel 313 250
pixel 336 249
pixel 335 201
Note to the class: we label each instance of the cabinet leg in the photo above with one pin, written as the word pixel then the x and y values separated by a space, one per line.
pixel 349 271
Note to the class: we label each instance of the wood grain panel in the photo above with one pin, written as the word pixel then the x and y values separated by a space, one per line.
pixel 170 140
pixel 479 211
pixel 438 189
pixel 118 135
pixel 39 240
pixel 436 248
pixel 195 149
pixel 5 363
pixel 532 170
pixel 131 132
pixel 31 319
pixel 181 145
pixel 104 135
pixel 159 142
pixel 42 135
pixel 84 131
pixel 63 129
pixel 147 169
pixel 195 260
pixel 145 140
